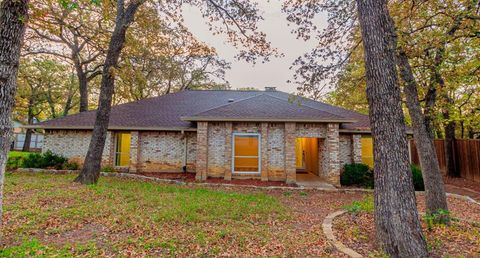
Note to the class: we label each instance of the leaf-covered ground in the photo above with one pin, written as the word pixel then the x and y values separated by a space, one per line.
pixel 48 215
pixel 356 229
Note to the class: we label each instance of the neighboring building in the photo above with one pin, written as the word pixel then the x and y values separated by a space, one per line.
pixel 18 139
pixel 268 135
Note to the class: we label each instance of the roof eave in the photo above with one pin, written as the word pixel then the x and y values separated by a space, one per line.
pixel 119 128
pixel 259 119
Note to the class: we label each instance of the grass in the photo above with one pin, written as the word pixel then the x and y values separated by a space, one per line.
pixel 48 215
pixel 364 205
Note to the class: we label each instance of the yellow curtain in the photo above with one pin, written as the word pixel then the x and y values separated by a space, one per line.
pixel 367 150
pixel 299 149
pixel 246 153
pixel 123 149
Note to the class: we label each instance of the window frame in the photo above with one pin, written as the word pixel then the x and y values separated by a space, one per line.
pixel 259 137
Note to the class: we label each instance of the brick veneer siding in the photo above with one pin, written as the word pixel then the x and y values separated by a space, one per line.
pixel 164 151
pixel 345 149
pixel 357 148
pixel 276 150
pixel 216 150
pixel 331 157
pixel 73 144
pixel 202 148
pixel 135 151
pixel 209 150
pixel 290 157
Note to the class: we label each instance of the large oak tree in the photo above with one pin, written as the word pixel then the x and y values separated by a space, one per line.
pixel 237 19
pixel 13 17
pixel 396 217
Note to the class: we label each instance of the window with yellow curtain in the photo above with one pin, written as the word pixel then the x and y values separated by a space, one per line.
pixel 122 149
pixel 246 153
pixel 367 150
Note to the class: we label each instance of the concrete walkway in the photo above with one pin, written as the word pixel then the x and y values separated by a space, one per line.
pixel 313 181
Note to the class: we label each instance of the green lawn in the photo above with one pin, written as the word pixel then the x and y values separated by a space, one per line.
pixel 49 215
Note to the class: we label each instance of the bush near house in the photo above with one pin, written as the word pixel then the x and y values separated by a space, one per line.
pixel 40 160
pixel 357 174
pixel 361 175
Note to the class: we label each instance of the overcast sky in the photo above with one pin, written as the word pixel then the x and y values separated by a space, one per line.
pixel 272 74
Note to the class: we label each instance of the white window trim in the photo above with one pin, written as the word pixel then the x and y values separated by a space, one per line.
pixel 259 154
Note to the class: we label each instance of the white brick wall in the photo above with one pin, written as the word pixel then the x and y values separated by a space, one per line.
pixel 73 144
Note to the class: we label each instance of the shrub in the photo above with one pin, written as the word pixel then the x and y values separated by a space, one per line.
pixel 417 178
pixel 357 174
pixel 71 166
pixel 14 162
pixel 45 160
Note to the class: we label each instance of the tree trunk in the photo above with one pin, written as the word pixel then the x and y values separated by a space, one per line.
pixel 13 16
pixel 28 133
pixel 396 217
pixel 92 164
pixel 82 83
pixel 436 198
pixel 452 170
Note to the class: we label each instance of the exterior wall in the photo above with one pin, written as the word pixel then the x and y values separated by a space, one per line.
pixel 276 150
pixel 73 144
pixel 209 150
pixel 216 150
pixel 165 151
pixel 345 150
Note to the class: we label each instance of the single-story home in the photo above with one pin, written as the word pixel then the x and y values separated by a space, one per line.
pixel 269 135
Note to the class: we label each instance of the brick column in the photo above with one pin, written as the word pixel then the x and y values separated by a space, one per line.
pixel 290 166
pixel 333 159
pixel 112 144
pixel 202 151
pixel 357 148
pixel 264 151
pixel 134 151
pixel 228 151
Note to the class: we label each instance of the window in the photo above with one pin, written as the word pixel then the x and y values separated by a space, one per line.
pixel 246 155
pixel 367 150
pixel 122 150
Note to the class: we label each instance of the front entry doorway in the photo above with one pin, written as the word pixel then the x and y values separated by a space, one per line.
pixel 306 151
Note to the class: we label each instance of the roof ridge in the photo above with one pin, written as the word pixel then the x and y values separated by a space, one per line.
pixel 318 109
pixel 226 104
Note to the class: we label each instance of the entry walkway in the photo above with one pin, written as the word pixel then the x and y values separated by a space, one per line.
pixel 311 180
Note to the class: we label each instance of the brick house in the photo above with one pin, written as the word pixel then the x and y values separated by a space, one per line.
pixel 269 135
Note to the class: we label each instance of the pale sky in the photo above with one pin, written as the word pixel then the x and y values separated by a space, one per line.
pixel 272 74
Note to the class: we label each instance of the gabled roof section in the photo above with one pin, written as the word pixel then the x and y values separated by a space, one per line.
pixel 171 112
pixel 266 107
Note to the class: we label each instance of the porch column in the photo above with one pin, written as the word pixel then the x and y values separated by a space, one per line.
pixel 264 151
pixel 202 151
pixel 228 151
pixel 111 147
pixel 134 151
pixel 357 148
pixel 333 159
pixel 290 166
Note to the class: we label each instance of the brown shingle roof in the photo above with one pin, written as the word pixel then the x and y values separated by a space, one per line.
pixel 265 107
pixel 166 112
